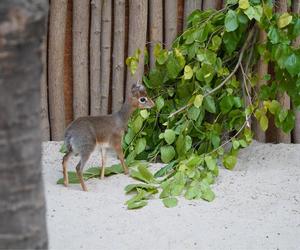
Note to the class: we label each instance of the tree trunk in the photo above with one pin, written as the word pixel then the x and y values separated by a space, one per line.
pixel 105 55
pixel 262 70
pixel 211 4
pixel 155 26
pixel 284 99
pixel 118 55
pixel 137 38
pixel 57 24
pixel 68 65
pixel 296 132
pixel 170 20
pixel 95 55
pixel 22 206
pixel 81 20
pixel 44 95
pixel 189 7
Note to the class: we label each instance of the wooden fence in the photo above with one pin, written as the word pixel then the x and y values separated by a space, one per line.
pixel 86 47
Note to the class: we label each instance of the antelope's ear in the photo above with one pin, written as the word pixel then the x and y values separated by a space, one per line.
pixel 137 88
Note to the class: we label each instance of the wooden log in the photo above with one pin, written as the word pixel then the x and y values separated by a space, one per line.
pixel 296 132
pixel 155 26
pixel 95 55
pixel 262 70
pixel 118 55
pixel 211 4
pixel 284 99
pixel 170 22
pixel 81 20
pixel 45 127
pixel 180 16
pixel 137 38
pixel 105 55
pixel 57 24
pixel 189 7
pixel 68 65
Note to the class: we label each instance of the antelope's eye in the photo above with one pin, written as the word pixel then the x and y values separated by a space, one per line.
pixel 143 99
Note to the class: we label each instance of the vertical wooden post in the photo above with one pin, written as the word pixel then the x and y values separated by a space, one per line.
pixel 81 20
pixel 170 22
pixel 296 132
pixel 118 55
pixel 262 70
pixel 57 27
pixel 45 129
pixel 68 65
pixel 95 55
pixel 105 55
pixel 137 37
pixel 189 7
pixel 283 99
pixel 211 4
pixel 155 26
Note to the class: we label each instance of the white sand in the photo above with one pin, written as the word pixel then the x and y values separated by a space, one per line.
pixel 257 207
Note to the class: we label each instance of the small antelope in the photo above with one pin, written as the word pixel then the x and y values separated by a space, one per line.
pixel 85 133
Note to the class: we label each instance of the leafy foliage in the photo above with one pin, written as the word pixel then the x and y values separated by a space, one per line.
pixel 200 88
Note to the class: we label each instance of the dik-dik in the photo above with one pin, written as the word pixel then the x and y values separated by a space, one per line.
pixel 85 133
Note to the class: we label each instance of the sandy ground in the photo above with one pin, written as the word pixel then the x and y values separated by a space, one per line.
pixel 257 207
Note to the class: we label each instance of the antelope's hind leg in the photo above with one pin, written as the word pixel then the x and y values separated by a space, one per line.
pixel 103 162
pixel 84 157
pixel 65 167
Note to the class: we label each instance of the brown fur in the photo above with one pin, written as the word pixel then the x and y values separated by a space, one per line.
pixel 85 133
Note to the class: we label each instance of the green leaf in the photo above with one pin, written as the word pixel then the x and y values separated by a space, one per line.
pixel 63 149
pixel 192 192
pixel 235 144
pixel 216 42
pixel 231 21
pixel 159 102
pixel 193 113
pixel 210 162
pixel 208 195
pixel 188 72
pixel 292 64
pixel 136 204
pixel 226 104
pixel 137 175
pixel 231 40
pixel 170 202
pixel 284 20
pixel 244 4
pixel 145 173
pixel 137 124
pixel 289 122
pixel 274 35
pixel 140 145
pixel 169 136
pixel 133 187
pixel 73 179
pixel 198 101
pixel 209 104
pixel 229 161
pixel 114 169
pixel 165 170
pixel 167 153
pixel 144 113
pixel 264 122
pixel 254 12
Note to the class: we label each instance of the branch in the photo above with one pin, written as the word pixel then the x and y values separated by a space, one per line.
pixel 226 79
